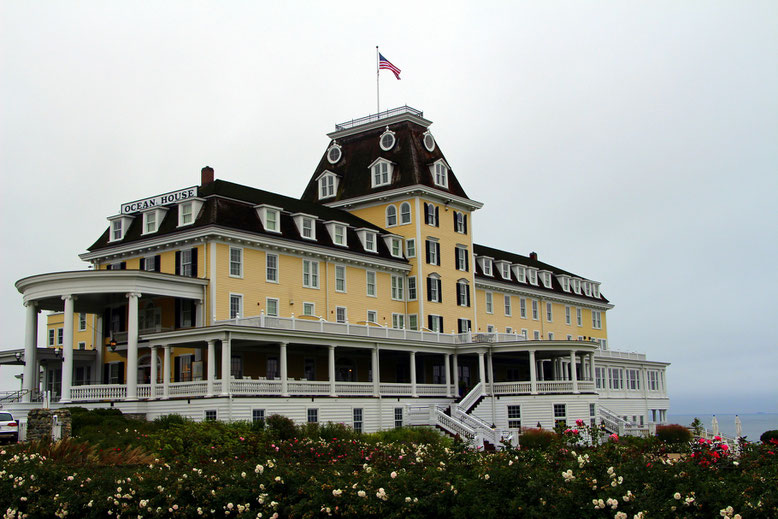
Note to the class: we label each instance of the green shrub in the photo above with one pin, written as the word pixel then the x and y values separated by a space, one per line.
pixel 673 433
pixel 281 427
pixel 169 420
pixel 418 435
pixel 83 420
pixel 769 435
pixel 536 438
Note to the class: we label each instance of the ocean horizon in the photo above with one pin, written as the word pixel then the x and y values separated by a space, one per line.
pixel 754 424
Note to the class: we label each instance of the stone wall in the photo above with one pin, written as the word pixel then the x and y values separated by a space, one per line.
pixel 41 421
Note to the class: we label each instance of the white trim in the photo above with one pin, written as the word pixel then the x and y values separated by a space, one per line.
pixel 240 262
pixel 229 305
pixel 404 192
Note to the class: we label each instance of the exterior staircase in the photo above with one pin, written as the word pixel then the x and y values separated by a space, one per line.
pixel 615 424
pixel 457 420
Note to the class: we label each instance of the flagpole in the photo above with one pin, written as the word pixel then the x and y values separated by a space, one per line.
pixel 377 91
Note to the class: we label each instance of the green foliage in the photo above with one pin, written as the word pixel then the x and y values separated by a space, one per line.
pixel 537 438
pixel 409 435
pixel 281 427
pixel 83 418
pixel 697 426
pixel 673 434
pixel 169 420
pixel 767 436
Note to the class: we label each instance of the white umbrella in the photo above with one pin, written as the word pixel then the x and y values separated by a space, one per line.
pixel 715 426
pixel 738 427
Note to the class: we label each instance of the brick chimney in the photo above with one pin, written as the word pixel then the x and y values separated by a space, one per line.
pixel 533 256
pixel 206 175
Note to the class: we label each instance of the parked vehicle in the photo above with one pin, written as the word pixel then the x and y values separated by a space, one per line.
pixel 9 428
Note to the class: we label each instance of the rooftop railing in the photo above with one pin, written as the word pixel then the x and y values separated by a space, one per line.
pixel 621 354
pixel 377 117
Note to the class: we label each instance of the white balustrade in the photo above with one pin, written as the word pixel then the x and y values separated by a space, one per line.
pixel 256 387
pixel 471 398
pixel 454 426
pixel 431 389
pixel 555 386
pixel 196 388
pixel 512 388
pixel 98 392
pixel 309 387
pixel 395 389
pixel 354 388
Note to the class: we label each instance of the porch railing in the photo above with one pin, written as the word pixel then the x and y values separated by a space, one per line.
pixel 98 392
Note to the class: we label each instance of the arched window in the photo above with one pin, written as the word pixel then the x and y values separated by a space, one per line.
pixel 405 213
pixel 463 293
pixel 391 216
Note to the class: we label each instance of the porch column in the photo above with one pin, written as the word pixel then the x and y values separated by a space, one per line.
pixel 376 373
pixel 481 372
pixel 491 374
pixel 226 366
pixel 456 376
pixel 154 372
pixel 331 366
pixel 132 347
pixel 413 375
pixel 573 372
pixel 198 316
pixel 591 366
pixel 554 370
pixel 99 345
pixel 67 349
pixel 533 373
pixel 284 378
pixel 447 367
pixel 30 379
pixel 166 373
pixel 211 367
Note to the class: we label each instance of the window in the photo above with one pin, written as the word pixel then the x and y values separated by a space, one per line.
pixel 487 264
pixel 391 216
pixel 413 322
pixel 596 293
pixel 398 321
pixel 461 258
pixel 271 268
pixel 464 326
pixel 272 368
pixel 579 316
pixel 257 415
pixel 599 377
pixel 653 380
pixel 525 333
pixel 271 220
pixel 523 307
pixel 441 175
pixel 60 336
pixel 576 286
pixel 550 336
pixel 405 213
pixel 521 274
pixel 236 306
pixel 387 140
pixel 309 309
pixel 546 277
pixel 549 312
pixel 410 248
pixel 433 251
pixel 533 277
pixel 185 265
pixel 514 417
pixel 435 323
pixel 434 288
pixel 615 380
pixel 371 287
pixel 398 416
pixel 460 222
pixel 508 329
pixel 560 414
pixel 569 337
pixel 51 336
pixel 186 213
pixel 210 415
pixel 397 288
pixel 596 319
pixel 603 344
pixel 505 270
pixel 116 230
pixel 149 263
pixel 149 222
pixel 507 300
pixel 535 309
pixel 81 345
pixel 536 335
pixel 489 303
pixel 397 247
pixel 412 288
pixel 308 231
pixel 372 316
pixel 339 235
pixel 271 305
pixel 340 278
pixel 310 274
pixel 381 173
pixel 313 415
pixel 431 213
pixel 81 322
pixel 357 419
pixel 633 379
pixel 568 315
pixel 327 186
pixel 236 262
pixel 463 293
pixel 340 314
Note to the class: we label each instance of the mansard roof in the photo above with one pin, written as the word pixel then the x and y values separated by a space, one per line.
pixel 360 148
pixel 530 262
pixel 231 206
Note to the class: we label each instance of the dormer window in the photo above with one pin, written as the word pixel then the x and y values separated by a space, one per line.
pixel 395 245
pixel 152 220
pixel 387 140
pixel 368 239
pixel 337 233
pixel 440 174
pixel 546 277
pixel 187 211
pixel 381 173
pixel 565 282
pixel 307 228
pixel 306 225
pixel 429 141
pixel 576 285
pixel 505 269
pixel 587 286
pixel 596 290
pixel 533 277
pixel 334 153
pixel 119 226
pixel 520 271
pixel 328 184
pixel 270 217
pixel 486 266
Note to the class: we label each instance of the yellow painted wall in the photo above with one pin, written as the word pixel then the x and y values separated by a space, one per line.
pixel 56 320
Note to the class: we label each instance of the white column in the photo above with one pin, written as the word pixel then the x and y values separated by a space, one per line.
pixel 413 375
pixel 67 349
pixel 490 367
pixel 554 369
pixel 533 373
pixel 331 366
pixel 30 346
pixel 376 374
pixel 99 345
pixel 154 372
pixel 284 377
pixel 211 367
pixel 447 367
pixel 591 367
pixel 166 373
pixel 573 372
pixel 132 347
pixel 456 376
pixel 226 366
pixel 198 316
pixel 481 372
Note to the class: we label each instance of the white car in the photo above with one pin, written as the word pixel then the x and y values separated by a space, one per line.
pixel 9 428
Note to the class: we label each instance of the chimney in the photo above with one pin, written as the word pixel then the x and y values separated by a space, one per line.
pixel 206 175
pixel 533 256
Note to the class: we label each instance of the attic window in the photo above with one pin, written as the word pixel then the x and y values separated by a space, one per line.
pixel 429 141
pixel 381 173
pixel 387 140
pixel 441 175
pixel 521 273
pixel 546 277
pixel 596 290
pixel 328 184
pixel 307 228
pixel 533 277
pixel 119 226
pixel 487 264
pixel 334 154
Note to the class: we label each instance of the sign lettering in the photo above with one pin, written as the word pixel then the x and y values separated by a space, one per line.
pixel 159 200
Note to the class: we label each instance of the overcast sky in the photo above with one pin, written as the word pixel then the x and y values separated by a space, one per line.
pixel 634 143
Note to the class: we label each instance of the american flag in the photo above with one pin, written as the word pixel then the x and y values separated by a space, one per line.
pixel 385 63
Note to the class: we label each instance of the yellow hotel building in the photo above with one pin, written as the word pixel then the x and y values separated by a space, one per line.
pixel 365 301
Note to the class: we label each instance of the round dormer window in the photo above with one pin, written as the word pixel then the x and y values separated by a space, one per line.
pixel 429 141
pixel 387 140
pixel 334 154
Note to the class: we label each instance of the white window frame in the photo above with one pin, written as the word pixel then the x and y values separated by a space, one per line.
pixel 398 321
pixel 81 322
pixel 463 293
pixel 381 173
pixel 568 315
pixel 371 283
pixel 435 289
pixel 412 288
pixel 185 263
pixel 340 278
pixel 398 288
pixel 268 301
pixel 233 262
pixel 410 247
pixel 440 174
pixel 461 258
pixel 536 335
pixel 434 247
pixel 308 228
pixel 60 336
pixel 338 311
pixel 312 415
pixel 150 222
pixel 311 277
pixel 597 319
pixel 413 322
pixel 339 235
pixel 117 230
pixel 185 213
pixel 535 310
pixel 239 311
pixel 372 317
pixel 309 305
pixel 327 185
pixel 533 277
pixel 487 266
pixel 459 218
pixel 391 215
pixel 549 312
pixel 272 221
pixel 52 337
pixel 579 316
pixel 436 323
pixel 489 300
pixel 396 247
pixel 272 269
pixel 507 305
pixel 404 217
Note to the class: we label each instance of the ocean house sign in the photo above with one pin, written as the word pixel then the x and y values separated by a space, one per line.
pixel 159 200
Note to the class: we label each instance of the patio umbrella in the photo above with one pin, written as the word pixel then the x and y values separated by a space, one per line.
pixel 738 427
pixel 715 426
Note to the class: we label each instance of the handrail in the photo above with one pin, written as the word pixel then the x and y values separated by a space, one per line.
pixel 471 398
pixel 377 117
